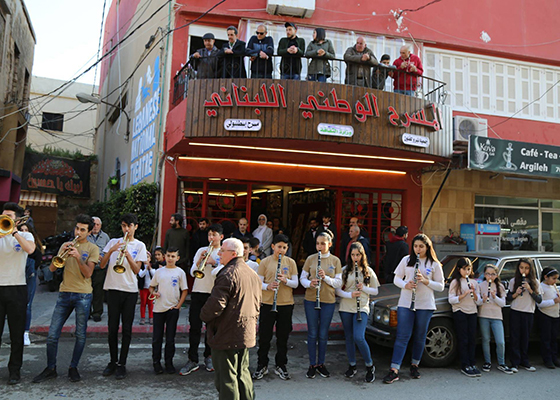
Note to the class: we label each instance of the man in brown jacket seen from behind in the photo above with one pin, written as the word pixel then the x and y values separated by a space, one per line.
pixel 231 315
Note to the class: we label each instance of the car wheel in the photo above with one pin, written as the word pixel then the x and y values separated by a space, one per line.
pixel 441 343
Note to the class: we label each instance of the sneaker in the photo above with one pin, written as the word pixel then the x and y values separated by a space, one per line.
pixel 14 378
pixel 47 374
pixel 414 373
pixel 26 341
pixel 74 375
pixel 529 368
pixel 208 364
pixel 549 365
pixel 170 369
pixel 323 371
pixel 486 367
pixel 189 367
pixel 505 369
pixel 158 369
pixel 151 321
pixel 476 370
pixel 120 372
pixel 370 374
pixel 391 377
pixel 468 371
pixel 142 321
pixel 514 369
pixel 282 372
pixel 110 369
pixel 351 371
pixel 311 372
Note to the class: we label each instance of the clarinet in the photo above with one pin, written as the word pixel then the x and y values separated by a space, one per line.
pixel 413 300
pixel 359 316
pixel 278 270
pixel 522 282
pixel 318 295
pixel 469 286
pixel 489 287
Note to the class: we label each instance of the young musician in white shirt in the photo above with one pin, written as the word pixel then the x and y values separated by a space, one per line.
pixel 548 317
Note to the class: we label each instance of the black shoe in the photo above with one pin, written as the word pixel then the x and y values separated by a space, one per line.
pixel 47 374
pixel 414 373
pixel 391 377
pixel 549 365
pixel 556 362
pixel 351 371
pixel 370 374
pixel 110 369
pixel 323 371
pixel 14 378
pixel 74 375
pixel 121 372
pixel 158 369
pixel 97 318
pixel 311 372
pixel 170 369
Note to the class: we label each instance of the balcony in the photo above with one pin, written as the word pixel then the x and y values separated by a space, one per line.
pixel 335 111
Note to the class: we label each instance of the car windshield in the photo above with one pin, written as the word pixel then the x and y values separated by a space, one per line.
pixel 479 263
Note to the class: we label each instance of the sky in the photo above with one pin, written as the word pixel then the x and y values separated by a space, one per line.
pixel 67 33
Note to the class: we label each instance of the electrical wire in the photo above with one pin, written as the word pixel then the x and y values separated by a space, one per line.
pixel 99 44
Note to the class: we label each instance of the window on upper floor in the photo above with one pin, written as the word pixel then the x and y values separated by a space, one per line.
pixel 52 121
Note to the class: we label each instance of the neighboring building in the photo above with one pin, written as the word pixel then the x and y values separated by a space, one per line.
pixel 61 121
pixel 228 148
pixel 17 44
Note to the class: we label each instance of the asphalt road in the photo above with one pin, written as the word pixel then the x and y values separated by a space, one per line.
pixel 141 383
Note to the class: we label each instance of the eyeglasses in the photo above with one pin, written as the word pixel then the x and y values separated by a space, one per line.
pixel 260 33
pixel 491 274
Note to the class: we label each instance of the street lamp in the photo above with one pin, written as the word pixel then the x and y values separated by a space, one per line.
pixel 88 98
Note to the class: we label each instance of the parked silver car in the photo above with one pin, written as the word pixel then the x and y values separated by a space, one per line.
pixel 441 341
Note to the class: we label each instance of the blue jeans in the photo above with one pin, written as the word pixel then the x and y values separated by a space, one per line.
pixel 317 77
pixel 354 333
pixel 409 322
pixel 497 327
pixel 318 323
pixel 295 77
pixel 31 280
pixel 66 303
pixel 407 92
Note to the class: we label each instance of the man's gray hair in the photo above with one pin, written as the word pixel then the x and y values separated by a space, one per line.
pixel 97 219
pixel 235 245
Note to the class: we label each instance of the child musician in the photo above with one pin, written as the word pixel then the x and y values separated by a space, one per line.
pixel 278 284
pixel 548 317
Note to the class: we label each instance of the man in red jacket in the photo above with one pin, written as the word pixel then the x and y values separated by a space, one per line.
pixel 405 83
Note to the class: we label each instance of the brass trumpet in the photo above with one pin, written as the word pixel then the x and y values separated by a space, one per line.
pixel 59 261
pixel 199 272
pixel 119 267
pixel 8 225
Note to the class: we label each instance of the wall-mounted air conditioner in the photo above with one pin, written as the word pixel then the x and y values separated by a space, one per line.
pixel 463 127
pixel 292 8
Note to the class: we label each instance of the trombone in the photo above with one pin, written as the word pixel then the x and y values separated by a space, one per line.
pixel 8 225
pixel 59 261
pixel 199 272
pixel 119 267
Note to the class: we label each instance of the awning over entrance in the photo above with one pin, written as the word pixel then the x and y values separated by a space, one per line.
pixel 37 199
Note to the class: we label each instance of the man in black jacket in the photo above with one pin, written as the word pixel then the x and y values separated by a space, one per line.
pixel 310 239
pixel 232 54
pixel 397 248
pixel 261 49
pixel 178 237
pixel 291 48
pixel 200 236
pixel 205 60
pixel 354 233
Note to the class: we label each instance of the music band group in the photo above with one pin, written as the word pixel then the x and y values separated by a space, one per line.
pixel 232 294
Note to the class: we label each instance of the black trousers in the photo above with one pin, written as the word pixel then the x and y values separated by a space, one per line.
pixel 97 281
pixel 120 305
pixel 13 303
pixel 520 324
pixel 165 321
pixel 283 321
pixel 465 325
pixel 197 302
pixel 548 328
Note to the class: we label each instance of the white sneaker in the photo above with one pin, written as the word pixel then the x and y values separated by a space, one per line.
pixel 26 341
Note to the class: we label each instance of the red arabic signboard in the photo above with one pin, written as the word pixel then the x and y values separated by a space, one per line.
pixel 56 175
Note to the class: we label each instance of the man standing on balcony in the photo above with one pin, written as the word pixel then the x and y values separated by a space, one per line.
pixel 359 60
pixel 261 49
pixel 232 54
pixel 409 67
pixel 291 49
pixel 205 60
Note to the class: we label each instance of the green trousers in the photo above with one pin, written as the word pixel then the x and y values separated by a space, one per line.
pixel 232 377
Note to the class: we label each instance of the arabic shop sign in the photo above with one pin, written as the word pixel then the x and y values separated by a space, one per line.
pixel 252 125
pixel 275 97
pixel 415 140
pixel 335 130
pixel 56 175
pixel 146 110
pixel 507 156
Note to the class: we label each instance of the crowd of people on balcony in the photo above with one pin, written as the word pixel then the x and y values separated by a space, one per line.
pixel 362 66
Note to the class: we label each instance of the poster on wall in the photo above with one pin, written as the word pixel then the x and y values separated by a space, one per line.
pixel 57 175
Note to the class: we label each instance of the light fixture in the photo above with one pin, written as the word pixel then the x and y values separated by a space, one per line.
pixel 88 98
pixel 327 167
pixel 520 178
pixel 322 153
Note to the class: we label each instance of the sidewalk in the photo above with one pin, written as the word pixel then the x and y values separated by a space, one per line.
pixel 44 302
